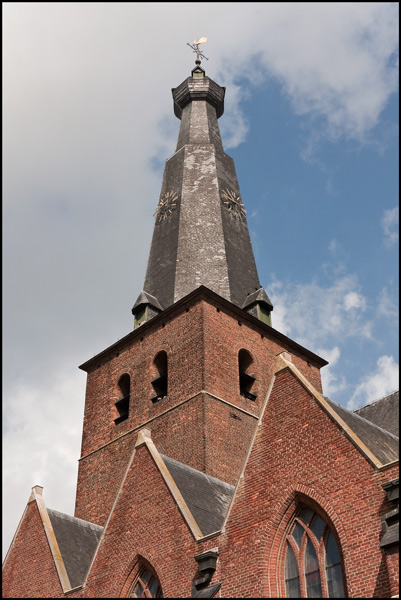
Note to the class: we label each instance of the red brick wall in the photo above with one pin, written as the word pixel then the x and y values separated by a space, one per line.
pixel 299 453
pixel 202 342
pixel 179 434
pixel 391 568
pixel 181 338
pixel 225 336
pixel 29 570
pixel 100 473
pixel 228 436
pixel 146 522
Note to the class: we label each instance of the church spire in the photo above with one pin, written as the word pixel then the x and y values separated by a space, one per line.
pixel 200 235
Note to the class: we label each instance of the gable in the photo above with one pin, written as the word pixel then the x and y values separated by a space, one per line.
pixel 29 570
pixel 378 446
pixel 303 452
pixel 149 520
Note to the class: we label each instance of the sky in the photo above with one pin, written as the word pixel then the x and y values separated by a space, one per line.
pixel 311 121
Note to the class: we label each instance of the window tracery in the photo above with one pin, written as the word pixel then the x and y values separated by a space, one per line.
pixel 313 566
pixel 146 585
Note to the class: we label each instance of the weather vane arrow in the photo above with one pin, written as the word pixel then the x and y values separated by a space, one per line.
pixel 195 48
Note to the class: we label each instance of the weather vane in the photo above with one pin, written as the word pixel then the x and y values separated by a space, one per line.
pixel 195 48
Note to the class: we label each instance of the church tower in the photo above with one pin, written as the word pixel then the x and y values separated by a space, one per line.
pixel 211 463
pixel 200 359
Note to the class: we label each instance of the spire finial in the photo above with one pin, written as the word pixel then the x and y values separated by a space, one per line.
pixel 195 48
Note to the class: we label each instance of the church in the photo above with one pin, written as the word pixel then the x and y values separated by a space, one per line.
pixel 212 464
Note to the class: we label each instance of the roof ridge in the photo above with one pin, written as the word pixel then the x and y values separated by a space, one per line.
pixel 374 401
pixel 370 423
pixel 71 518
pixel 197 471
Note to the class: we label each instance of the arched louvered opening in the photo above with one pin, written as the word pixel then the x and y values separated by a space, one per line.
pixel 122 403
pixel 246 377
pixel 160 379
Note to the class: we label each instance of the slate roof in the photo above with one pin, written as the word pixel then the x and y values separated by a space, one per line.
pixel 207 498
pixel 77 540
pixel 203 238
pixel 383 412
pixel 383 444
pixel 145 298
pixel 258 296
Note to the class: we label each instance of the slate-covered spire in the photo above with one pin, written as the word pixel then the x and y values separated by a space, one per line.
pixel 200 235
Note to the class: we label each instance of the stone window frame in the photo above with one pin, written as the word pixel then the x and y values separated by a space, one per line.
pixel 146 578
pixel 135 568
pixel 319 546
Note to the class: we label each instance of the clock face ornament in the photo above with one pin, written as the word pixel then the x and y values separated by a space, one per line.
pixel 167 204
pixel 234 204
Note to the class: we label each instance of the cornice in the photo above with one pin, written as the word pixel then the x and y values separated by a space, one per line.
pixel 201 293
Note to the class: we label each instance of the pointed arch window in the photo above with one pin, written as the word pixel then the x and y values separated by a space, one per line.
pixel 160 380
pixel 312 566
pixel 146 585
pixel 246 378
pixel 122 404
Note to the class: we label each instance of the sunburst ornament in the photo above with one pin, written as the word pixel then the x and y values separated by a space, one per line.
pixel 232 201
pixel 167 204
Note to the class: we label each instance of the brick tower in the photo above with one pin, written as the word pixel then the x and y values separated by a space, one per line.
pixel 201 317
pixel 211 464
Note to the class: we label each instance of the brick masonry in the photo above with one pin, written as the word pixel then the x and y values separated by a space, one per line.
pixel 280 448
pixel 300 455
pixel 29 571
pixel 203 422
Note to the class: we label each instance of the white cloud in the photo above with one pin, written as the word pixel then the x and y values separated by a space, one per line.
pixel 41 440
pixel 333 246
pixel 387 305
pixel 332 383
pixel 354 300
pixel 314 314
pixel 377 384
pixel 390 222
pixel 335 62
pixel 235 126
